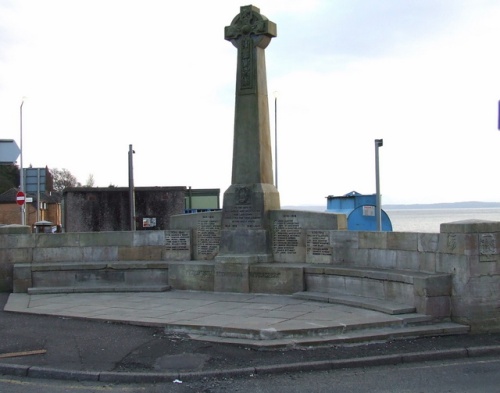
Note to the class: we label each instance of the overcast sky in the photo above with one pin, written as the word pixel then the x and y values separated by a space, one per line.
pixel 100 75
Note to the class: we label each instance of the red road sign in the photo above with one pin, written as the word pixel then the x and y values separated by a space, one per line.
pixel 20 198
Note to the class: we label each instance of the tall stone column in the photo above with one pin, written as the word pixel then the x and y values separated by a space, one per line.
pixel 245 232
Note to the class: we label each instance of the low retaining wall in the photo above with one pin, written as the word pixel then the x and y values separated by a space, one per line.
pixel 469 251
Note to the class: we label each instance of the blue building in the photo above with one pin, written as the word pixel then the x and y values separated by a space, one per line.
pixel 360 211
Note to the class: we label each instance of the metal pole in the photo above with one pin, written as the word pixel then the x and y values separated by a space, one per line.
pixel 38 194
pixel 131 193
pixel 23 217
pixel 378 208
pixel 276 138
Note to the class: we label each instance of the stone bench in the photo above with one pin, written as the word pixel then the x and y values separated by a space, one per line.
pixel 390 291
pixel 70 277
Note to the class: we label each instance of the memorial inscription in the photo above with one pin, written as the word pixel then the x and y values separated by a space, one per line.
pixel 242 216
pixel 318 243
pixel 199 273
pixel 177 240
pixel 286 235
pixel 208 235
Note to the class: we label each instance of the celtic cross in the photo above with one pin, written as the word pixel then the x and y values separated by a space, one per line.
pixel 248 30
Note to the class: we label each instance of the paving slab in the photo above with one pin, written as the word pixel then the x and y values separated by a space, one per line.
pixel 266 319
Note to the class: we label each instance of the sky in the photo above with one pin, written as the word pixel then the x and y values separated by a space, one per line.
pixel 99 75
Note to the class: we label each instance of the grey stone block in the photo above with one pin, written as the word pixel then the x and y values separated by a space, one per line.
pixel 325 283
pixel 373 240
pixel 402 241
pixel 232 277
pixel 21 278
pixel 197 276
pixel 437 306
pixel 57 254
pixel 15 229
pixel 428 242
pixel 276 279
pixel 436 285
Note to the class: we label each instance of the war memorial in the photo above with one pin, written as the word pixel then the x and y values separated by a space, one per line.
pixel 254 246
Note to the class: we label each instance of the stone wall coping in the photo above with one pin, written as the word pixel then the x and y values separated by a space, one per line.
pixel 470 226
pixel 405 276
pixel 122 265
pixel 15 229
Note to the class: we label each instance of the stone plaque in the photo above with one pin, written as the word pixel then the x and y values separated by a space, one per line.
pixel 487 247
pixel 319 249
pixel 178 245
pixel 286 235
pixel 241 216
pixel 177 241
pixel 207 237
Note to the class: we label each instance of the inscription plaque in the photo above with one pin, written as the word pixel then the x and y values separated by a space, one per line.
pixel 487 247
pixel 318 243
pixel 241 216
pixel 286 235
pixel 208 235
pixel 177 240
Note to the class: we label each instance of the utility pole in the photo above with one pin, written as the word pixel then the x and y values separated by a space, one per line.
pixel 131 192
pixel 23 207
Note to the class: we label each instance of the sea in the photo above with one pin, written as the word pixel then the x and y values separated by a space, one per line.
pixel 429 220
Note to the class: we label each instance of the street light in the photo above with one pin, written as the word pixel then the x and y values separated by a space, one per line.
pixel 378 208
pixel 23 206
pixel 276 139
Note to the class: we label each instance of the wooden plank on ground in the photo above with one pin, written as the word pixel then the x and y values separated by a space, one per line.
pixel 24 353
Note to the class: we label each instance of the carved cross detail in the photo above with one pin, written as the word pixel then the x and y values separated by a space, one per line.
pixel 250 21
pixel 249 29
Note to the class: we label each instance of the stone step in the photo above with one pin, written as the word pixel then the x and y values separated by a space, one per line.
pixel 98 289
pixel 381 305
pixel 350 337
pixel 100 265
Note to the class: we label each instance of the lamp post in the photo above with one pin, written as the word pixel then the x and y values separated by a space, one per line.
pixel 276 139
pixel 131 193
pixel 378 208
pixel 23 207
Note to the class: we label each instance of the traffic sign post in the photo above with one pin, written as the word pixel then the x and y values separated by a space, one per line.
pixel 20 198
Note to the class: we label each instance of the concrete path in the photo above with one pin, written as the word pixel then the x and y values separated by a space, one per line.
pixel 253 319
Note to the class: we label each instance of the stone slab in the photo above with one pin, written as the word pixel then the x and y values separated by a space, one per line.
pixel 232 277
pixel 196 276
pixel 276 279
pixel 385 306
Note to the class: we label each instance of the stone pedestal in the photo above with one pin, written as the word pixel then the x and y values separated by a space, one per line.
pixel 245 234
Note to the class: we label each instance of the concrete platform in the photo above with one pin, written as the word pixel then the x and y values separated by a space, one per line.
pixel 252 319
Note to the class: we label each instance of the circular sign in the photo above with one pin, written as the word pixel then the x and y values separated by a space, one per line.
pixel 20 198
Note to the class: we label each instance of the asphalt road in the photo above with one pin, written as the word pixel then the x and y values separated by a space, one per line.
pixel 457 376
